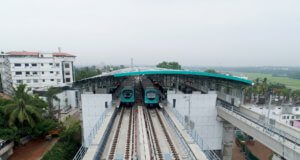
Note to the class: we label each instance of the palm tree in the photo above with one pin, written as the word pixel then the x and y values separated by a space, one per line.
pixel 20 111
pixel 51 95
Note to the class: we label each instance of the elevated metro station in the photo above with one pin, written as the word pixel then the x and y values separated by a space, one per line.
pixel 197 115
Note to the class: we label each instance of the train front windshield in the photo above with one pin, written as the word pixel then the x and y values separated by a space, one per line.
pixel 127 93
pixel 151 95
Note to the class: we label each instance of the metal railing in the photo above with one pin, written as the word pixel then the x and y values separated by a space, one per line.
pixel 82 150
pixel 195 136
pixel 268 129
pixel 102 143
pixel 182 142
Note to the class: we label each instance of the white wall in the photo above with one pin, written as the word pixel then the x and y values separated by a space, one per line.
pixel 203 113
pixel 70 95
pixel 93 106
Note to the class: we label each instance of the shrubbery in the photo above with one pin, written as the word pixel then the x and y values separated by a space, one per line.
pixel 62 151
pixel 69 143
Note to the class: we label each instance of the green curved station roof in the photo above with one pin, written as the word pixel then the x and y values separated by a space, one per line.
pixel 183 72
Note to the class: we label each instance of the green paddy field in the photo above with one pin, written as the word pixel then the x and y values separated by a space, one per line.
pixel 291 83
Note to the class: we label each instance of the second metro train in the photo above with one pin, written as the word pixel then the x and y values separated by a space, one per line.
pixel 151 94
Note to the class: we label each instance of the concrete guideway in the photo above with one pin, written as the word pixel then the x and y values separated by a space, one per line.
pixel 141 133
pixel 100 135
pixel 289 131
pixel 279 144
pixel 121 143
pixel 193 147
pixel 159 136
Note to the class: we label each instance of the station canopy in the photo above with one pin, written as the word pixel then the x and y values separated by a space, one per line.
pixel 137 71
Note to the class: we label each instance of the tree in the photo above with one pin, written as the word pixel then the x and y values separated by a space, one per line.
pixel 169 65
pixel 44 127
pixel 86 72
pixel 50 96
pixel 20 112
pixel 211 71
pixel 296 95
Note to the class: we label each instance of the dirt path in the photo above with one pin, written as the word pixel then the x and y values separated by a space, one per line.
pixel 32 150
pixel 260 150
pixel 236 154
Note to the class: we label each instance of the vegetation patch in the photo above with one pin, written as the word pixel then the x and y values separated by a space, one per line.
pixel 69 143
pixel 294 84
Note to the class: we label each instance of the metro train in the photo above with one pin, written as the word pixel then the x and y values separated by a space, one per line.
pixel 151 93
pixel 127 92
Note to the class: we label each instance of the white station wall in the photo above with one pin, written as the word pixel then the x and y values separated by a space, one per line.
pixel 93 106
pixel 204 113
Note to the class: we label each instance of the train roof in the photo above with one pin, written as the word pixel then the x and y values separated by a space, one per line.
pixel 136 71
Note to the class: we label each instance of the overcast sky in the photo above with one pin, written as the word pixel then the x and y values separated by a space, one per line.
pixel 192 32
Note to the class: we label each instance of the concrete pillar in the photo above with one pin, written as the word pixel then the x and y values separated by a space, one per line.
pixel 177 84
pixel 228 137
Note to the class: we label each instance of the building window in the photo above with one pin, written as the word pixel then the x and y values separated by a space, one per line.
pixel 297 109
pixel 67 65
pixel 18 73
pixel 50 64
pixel 17 64
pixel 52 79
pixel 42 72
pixel 34 73
pixel 26 64
pixel 57 64
pixel 68 79
pixel 19 81
pixel 292 117
pixel 51 72
pixel 67 73
pixel 43 80
pixel 35 81
pixel 42 64
pixel 27 73
pixel 283 117
pixel 57 72
pixel 287 117
pixel 58 80
pixel 33 64
pixel 28 81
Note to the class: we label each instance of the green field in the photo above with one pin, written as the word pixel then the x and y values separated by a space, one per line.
pixel 291 83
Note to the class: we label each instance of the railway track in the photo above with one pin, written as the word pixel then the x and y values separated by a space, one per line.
pixel 156 144
pixel 116 137
pixel 126 121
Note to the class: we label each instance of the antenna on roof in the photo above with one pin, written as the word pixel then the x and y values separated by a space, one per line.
pixel 59 49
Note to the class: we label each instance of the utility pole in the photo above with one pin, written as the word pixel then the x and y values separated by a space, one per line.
pixel 131 64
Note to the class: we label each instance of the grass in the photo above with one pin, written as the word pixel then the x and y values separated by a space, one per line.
pixel 289 82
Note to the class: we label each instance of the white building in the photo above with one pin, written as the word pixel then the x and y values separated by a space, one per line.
pixel 36 70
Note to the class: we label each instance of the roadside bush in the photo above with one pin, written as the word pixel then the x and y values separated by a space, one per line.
pixel 44 126
pixel 9 134
pixel 72 132
pixel 62 151
pixel 69 143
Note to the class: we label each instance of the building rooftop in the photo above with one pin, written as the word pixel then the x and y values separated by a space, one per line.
pixel 25 53
pixel 151 71
pixel 60 54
